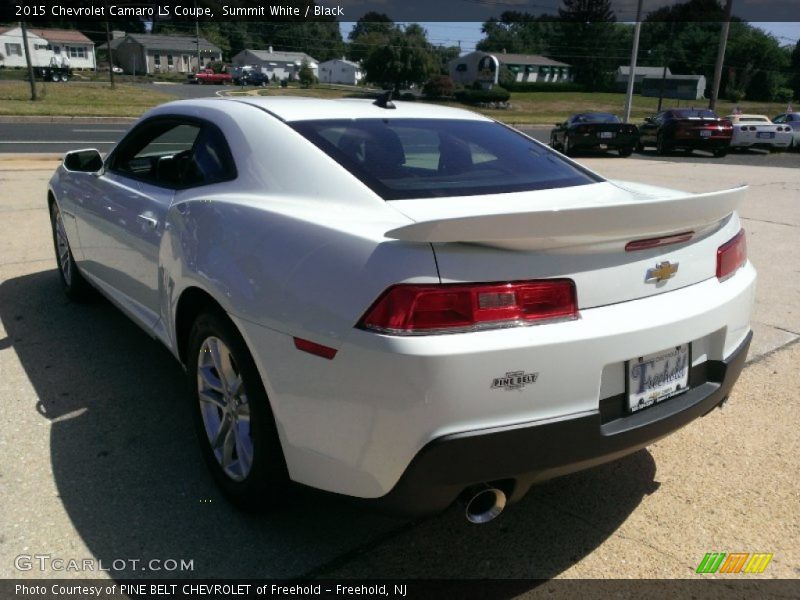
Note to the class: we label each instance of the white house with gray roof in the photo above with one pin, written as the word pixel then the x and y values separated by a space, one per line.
pixel 623 73
pixel 283 65
pixel 486 66
pixel 340 70
pixel 141 53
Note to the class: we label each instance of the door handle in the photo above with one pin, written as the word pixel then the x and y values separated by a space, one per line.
pixel 149 221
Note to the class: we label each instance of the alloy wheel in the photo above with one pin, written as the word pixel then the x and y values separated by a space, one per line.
pixel 224 408
pixel 62 246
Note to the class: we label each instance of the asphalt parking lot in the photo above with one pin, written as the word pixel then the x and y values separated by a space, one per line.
pixel 100 458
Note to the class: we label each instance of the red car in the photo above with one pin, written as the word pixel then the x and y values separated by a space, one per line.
pixel 687 129
pixel 209 76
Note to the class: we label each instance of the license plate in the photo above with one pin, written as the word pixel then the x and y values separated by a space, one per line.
pixel 656 377
pixel 765 134
pixel 606 135
pixel 705 133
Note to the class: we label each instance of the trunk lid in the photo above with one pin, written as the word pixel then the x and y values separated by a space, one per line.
pixel 580 233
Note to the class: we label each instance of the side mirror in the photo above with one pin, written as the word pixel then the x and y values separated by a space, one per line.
pixel 83 161
pixel 648 119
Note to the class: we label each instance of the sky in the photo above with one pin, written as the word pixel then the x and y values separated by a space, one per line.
pixel 468 34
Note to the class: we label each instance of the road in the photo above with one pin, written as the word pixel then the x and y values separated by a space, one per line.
pixel 62 137
pixel 102 461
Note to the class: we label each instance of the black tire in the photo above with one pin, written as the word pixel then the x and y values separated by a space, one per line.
pixel 266 484
pixel 75 286
pixel 625 152
pixel 720 152
pixel 566 147
pixel 55 77
pixel 662 147
pixel 640 147
pixel 64 78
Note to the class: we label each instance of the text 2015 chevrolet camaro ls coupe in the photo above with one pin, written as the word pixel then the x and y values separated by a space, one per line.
pixel 407 304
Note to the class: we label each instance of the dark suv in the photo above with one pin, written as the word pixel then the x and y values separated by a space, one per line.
pixel 252 77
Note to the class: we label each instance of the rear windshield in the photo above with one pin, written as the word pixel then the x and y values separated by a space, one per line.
pixel 689 113
pixel 425 158
pixel 597 118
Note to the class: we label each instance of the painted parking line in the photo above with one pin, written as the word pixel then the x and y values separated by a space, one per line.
pixel 99 130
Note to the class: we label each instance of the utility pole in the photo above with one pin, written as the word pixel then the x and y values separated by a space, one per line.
pixel 28 59
pixel 723 42
pixel 197 35
pixel 634 56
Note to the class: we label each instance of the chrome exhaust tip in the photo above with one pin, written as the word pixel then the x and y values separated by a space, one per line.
pixel 483 503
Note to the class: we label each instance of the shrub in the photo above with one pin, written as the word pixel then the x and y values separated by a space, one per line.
pixel 496 94
pixel 783 94
pixel 438 86
pixel 736 95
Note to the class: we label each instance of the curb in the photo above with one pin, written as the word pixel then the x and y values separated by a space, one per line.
pixel 66 119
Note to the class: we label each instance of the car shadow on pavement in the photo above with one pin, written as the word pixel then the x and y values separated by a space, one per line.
pixel 130 477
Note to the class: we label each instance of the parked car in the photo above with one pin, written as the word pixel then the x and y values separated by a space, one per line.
pixel 251 77
pixel 792 119
pixel 687 129
pixel 55 74
pixel 757 131
pixel 405 303
pixel 209 76
pixel 594 131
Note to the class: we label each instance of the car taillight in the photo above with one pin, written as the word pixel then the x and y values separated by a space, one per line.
pixel 731 255
pixel 451 308
pixel 725 124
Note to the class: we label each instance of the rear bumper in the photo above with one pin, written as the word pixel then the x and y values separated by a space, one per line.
pixel 515 457
pixel 590 142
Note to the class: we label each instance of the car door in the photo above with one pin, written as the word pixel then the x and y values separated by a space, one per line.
pixel 121 219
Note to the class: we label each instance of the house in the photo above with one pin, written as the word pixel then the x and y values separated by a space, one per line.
pixel 340 70
pixel 277 63
pixel 486 67
pixel 680 87
pixel 142 53
pixel 67 47
pixel 622 74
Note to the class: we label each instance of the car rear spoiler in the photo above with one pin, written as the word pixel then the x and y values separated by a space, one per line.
pixel 625 216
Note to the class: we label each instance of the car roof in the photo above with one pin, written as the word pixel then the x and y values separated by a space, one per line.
pixel 293 108
pixel 747 117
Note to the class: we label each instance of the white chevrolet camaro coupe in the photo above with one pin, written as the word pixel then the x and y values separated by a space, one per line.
pixel 407 304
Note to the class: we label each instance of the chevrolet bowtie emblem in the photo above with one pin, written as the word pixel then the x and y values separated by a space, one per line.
pixel 663 271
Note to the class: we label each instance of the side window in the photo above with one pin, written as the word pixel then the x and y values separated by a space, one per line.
pixel 211 161
pixel 174 154
pixel 779 119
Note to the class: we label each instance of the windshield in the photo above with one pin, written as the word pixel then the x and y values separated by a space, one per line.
pixel 425 158
pixel 597 118
pixel 690 113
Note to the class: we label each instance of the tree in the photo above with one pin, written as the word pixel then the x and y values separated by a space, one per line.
pixel 406 58
pixel 370 31
pixel 755 64
pixel 518 33
pixel 587 38
pixel 306 75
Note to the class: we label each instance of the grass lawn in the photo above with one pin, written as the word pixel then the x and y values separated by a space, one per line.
pixel 78 99
pixel 544 108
